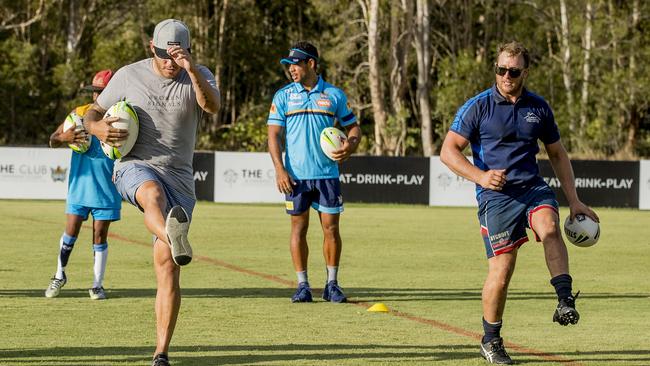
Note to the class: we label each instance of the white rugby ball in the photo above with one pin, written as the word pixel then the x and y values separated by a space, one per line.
pixel 331 139
pixel 128 121
pixel 74 120
pixel 582 231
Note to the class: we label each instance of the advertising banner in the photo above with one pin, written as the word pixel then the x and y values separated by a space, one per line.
pixel 447 188
pixel 644 185
pixel 599 183
pixel 203 165
pixel 385 179
pixel 34 173
pixel 245 177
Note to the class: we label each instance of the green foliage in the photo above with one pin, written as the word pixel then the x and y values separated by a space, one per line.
pixel 459 78
pixel 40 78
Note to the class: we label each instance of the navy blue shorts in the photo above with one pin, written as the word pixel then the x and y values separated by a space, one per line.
pixel 504 218
pixel 322 194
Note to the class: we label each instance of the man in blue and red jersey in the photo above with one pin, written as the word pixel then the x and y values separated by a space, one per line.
pixel 90 191
pixel 300 111
pixel 503 124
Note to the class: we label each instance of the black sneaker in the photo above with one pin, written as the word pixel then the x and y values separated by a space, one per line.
pixel 494 352
pixel 160 359
pixel 566 312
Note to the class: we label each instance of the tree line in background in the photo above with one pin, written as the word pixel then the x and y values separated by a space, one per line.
pixel 406 65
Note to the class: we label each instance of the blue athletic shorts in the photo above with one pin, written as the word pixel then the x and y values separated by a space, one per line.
pixel 132 175
pixel 99 214
pixel 504 218
pixel 322 194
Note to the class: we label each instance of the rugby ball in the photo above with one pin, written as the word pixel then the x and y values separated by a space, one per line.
pixel 73 120
pixel 582 230
pixel 128 121
pixel 331 139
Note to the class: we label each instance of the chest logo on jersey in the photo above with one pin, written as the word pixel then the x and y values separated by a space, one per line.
pixel 295 96
pixel 324 103
pixel 532 118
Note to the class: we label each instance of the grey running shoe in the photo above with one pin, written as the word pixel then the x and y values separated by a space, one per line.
pixel 494 352
pixel 177 227
pixel 566 312
pixel 55 286
pixel 97 293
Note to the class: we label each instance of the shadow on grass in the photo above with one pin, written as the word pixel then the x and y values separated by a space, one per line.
pixel 247 354
pixel 207 355
pixel 356 294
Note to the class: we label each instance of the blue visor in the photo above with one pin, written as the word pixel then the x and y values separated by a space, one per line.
pixel 296 55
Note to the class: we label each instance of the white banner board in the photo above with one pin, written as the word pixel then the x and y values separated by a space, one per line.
pixel 644 185
pixel 34 173
pixel 448 189
pixel 245 177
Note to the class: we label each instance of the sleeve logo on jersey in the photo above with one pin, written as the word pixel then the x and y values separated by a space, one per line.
pixel 324 103
pixel 273 109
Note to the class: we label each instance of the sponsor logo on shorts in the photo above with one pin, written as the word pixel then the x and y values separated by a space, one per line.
pixel 500 236
pixel 289 205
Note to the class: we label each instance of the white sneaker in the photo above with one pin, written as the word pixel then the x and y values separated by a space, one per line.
pixel 177 227
pixel 55 286
pixel 97 293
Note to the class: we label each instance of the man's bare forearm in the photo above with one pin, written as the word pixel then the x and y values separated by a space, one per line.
pixel 206 96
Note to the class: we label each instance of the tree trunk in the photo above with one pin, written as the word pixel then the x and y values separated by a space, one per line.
pixel 374 77
pixel 423 54
pixel 586 72
pixel 566 71
pixel 633 116
pixel 400 40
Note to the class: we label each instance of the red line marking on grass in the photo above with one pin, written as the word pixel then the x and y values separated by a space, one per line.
pixel 434 323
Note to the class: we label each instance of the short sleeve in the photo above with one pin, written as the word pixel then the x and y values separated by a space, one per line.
pixel 466 122
pixel 550 132
pixel 278 110
pixel 344 111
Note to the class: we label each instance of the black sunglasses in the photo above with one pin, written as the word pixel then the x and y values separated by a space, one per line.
pixel 514 72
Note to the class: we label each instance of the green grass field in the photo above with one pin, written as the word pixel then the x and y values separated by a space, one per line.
pixel 426 264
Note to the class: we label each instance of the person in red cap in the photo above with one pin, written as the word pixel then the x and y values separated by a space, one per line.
pixel 90 191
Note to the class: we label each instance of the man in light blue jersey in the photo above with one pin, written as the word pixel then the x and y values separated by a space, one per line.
pixel 90 191
pixel 307 177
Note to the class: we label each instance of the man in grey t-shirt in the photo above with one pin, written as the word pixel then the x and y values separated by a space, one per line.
pixel 169 93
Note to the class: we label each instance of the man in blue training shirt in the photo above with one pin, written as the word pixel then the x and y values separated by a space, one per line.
pixel 90 191
pixel 503 124
pixel 301 110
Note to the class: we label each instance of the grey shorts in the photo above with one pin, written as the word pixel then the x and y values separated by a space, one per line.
pixel 132 175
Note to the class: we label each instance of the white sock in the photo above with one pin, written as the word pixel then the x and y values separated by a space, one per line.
pixel 302 277
pixel 66 244
pixel 101 255
pixel 332 271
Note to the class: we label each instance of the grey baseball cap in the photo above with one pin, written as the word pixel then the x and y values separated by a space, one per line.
pixel 170 32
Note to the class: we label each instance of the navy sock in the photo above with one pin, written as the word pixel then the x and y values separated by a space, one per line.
pixel 562 284
pixel 491 330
